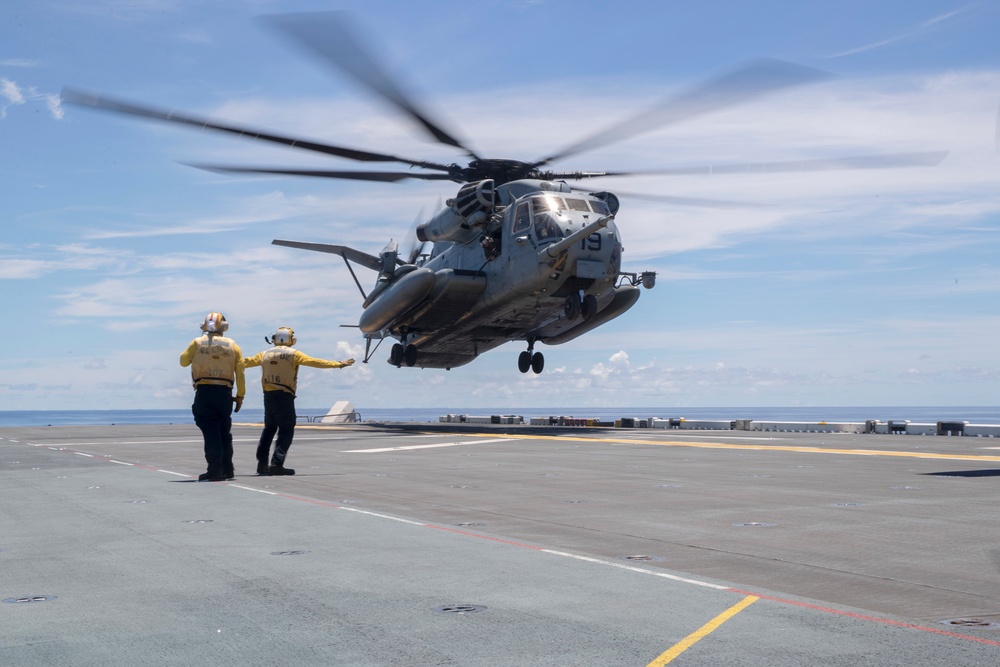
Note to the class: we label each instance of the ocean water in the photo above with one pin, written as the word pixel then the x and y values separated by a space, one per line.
pixel 920 414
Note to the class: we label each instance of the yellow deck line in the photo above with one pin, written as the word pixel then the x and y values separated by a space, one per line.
pixel 702 632
pixel 762 448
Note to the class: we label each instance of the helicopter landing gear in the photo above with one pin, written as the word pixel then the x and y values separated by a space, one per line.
pixel 400 355
pixel 573 306
pixel 589 307
pixel 537 363
pixel 529 360
pixel 524 361
pixel 410 355
pixel 585 307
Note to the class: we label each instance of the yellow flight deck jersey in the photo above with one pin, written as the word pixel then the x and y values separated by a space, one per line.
pixel 215 360
pixel 280 367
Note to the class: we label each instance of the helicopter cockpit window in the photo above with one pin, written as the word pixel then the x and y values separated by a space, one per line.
pixel 600 207
pixel 577 205
pixel 522 220
pixel 547 204
pixel 544 211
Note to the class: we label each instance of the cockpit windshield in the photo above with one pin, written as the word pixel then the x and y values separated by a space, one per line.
pixel 599 207
pixel 554 204
pixel 547 213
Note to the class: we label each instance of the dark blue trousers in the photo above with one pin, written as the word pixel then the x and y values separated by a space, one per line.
pixel 213 410
pixel 279 417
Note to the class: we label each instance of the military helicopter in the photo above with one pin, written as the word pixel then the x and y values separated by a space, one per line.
pixel 517 253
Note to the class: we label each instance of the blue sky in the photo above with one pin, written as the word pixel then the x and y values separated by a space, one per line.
pixel 847 288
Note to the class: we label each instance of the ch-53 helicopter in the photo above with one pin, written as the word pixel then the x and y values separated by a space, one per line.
pixel 517 253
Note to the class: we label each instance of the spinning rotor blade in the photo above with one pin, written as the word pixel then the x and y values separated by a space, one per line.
pixel 747 83
pixel 380 176
pixel 883 161
pixel 97 101
pixel 694 201
pixel 998 131
pixel 413 244
pixel 330 35
pixel 686 201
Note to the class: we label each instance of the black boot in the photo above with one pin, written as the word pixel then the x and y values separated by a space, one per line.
pixel 280 470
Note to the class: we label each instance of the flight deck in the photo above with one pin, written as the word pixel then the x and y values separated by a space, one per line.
pixel 473 544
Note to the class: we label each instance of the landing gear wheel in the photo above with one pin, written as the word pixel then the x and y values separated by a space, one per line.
pixel 537 362
pixel 410 355
pixel 589 307
pixel 396 355
pixel 524 361
pixel 572 306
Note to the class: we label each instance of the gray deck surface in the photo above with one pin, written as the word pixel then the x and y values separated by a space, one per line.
pixel 504 545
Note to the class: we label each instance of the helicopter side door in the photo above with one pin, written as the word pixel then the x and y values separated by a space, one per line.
pixel 519 254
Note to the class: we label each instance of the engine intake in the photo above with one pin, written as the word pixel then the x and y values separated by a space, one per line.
pixel 466 213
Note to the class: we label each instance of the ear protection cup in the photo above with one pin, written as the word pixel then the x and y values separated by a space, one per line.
pixel 284 336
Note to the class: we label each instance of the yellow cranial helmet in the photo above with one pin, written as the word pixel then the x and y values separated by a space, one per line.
pixel 284 336
pixel 215 323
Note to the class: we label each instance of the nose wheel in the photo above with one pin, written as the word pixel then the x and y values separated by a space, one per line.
pixel 528 360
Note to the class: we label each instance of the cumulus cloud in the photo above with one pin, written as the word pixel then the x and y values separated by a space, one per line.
pixel 11 92
pixel 16 95
pixel 42 260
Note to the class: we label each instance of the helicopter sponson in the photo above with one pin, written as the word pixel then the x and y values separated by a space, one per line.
pixel 418 287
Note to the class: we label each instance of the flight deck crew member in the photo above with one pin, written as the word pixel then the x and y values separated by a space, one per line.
pixel 216 364
pixel 279 374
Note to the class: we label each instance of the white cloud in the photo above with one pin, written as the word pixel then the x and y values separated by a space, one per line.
pixel 19 62
pixel 15 95
pixel 10 92
pixel 918 31
pixel 54 105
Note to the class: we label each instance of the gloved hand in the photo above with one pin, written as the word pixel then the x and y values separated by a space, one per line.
pixel 349 362
pixel 239 403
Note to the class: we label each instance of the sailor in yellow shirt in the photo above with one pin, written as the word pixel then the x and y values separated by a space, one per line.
pixel 216 364
pixel 279 374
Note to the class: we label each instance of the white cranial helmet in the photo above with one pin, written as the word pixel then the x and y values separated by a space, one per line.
pixel 284 336
pixel 215 323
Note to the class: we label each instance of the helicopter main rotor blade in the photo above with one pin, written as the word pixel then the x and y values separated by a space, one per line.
pixel 331 35
pixel 699 202
pixel 381 176
pixel 98 101
pixel 877 161
pixel 749 82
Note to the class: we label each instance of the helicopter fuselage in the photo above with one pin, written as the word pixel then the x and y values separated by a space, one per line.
pixel 543 264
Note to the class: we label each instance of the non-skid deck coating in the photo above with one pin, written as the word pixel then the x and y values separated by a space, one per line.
pixel 434 545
